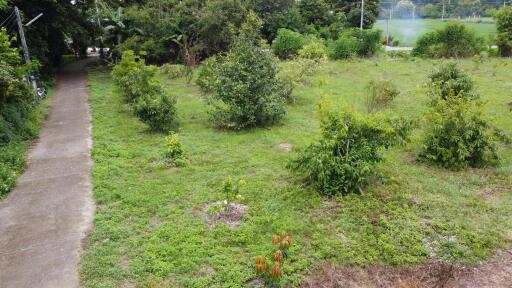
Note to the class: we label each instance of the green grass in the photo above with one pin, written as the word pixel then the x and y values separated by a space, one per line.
pixel 150 224
pixel 408 31
pixel 13 154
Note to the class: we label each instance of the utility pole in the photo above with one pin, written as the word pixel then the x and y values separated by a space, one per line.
pixel 99 25
pixel 387 24
pixel 444 10
pixel 24 47
pixel 362 13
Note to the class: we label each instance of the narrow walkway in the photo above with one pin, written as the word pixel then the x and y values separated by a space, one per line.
pixel 44 219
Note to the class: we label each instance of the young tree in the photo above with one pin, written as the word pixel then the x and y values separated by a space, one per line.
pixel 246 89
pixel 504 26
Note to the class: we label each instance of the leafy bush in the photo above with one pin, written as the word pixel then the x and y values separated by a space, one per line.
pixel 369 41
pixel 157 110
pixel 16 99
pixel 379 94
pixel 206 75
pixel 354 42
pixel 314 50
pixel 139 87
pixel 294 74
pixel 287 43
pixel 344 159
pixel 458 136
pixel 246 90
pixel 504 26
pixel 174 71
pixel 449 80
pixel 453 40
pixel 174 152
pixel 343 48
pixel 134 78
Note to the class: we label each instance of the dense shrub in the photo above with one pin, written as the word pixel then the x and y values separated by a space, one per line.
pixel 379 94
pixel 344 159
pixel 449 80
pixel 246 90
pixel 342 48
pixel 369 41
pixel 174 71
pixel 294 74
pixel 363 43
pixel 206 75
pixel 158 111
pixel 504 26
pixel 139 87
pixel 134 78
pixel 313 50
pixel 16 99
pixel 287 43
pixel 18 116
pixel 458 136
pixel 453 40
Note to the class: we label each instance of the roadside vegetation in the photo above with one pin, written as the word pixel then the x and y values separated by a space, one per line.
pixel 20 116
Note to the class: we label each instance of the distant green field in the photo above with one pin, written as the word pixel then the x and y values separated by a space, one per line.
pixel 408 31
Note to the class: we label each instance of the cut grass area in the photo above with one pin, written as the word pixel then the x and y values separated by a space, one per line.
pixel 13 154
pixel 151 223
pixel 408 30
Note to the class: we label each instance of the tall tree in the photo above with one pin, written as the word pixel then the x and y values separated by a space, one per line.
pixel 63 22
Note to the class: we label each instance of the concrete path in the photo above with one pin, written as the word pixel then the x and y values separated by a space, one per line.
pixel 44 219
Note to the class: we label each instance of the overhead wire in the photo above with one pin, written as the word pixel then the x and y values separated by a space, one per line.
pixel 8 18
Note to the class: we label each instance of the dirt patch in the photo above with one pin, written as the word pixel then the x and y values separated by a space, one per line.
pixel 496 273
pixel 487 193
pixel 230 214
pixel 285 147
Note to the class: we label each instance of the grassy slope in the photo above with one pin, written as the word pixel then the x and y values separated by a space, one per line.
pixel 150 221
pixel 13 154
pixel 408 31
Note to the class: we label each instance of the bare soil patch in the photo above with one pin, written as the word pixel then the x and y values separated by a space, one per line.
pixel 496 273
pixel 285 147
pixel 230 214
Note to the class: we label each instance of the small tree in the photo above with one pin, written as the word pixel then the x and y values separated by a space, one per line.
pixel 344 159
pixel 288 43
pixel 504 26
pixel 246 90
pixel 458 136
pixel 449 80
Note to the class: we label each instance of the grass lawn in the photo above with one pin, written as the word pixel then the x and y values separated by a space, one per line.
pixel 151 223
pixel 408 31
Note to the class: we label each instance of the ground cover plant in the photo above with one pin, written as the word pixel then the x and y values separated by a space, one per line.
pixel 152 222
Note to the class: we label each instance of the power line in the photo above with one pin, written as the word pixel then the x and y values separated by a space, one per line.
pixel 9 18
